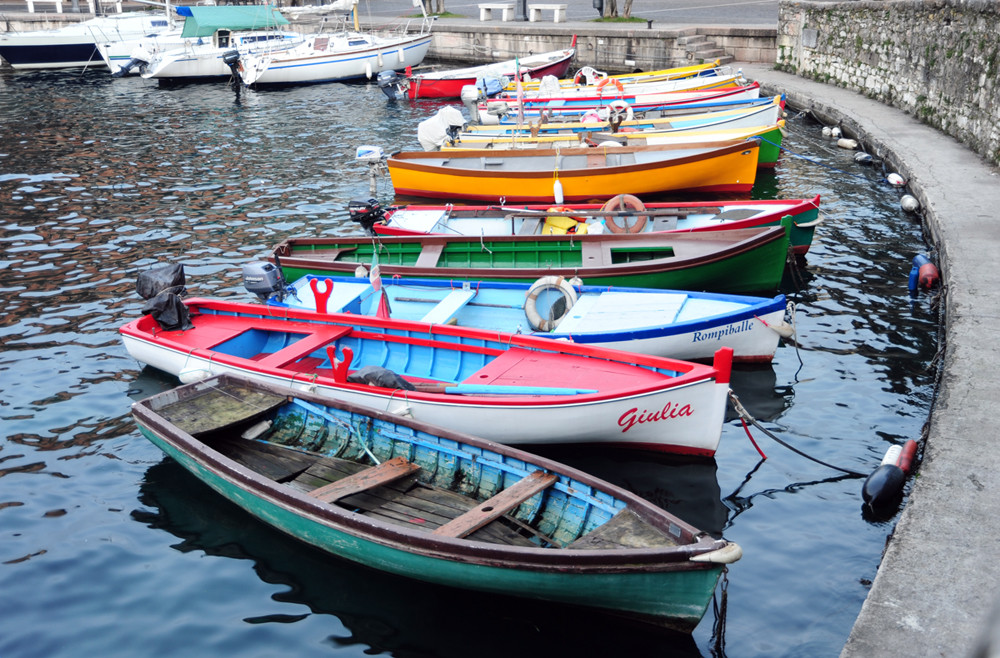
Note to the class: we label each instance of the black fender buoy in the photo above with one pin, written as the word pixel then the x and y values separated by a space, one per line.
pixel 883 489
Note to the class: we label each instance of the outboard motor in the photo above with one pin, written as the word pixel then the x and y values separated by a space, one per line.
pixel 443 127
pixel 366 212
pixel 388 82
pixel 231 58
pixel 264 280
pixel 162 287
pixel 139 57
pixel 472 96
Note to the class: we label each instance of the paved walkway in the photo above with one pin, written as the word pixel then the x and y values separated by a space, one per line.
pixel 937 582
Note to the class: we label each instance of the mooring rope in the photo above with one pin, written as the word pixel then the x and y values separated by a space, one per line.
pixel 745 416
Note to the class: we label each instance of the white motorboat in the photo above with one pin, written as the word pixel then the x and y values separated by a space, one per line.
pixel 75 45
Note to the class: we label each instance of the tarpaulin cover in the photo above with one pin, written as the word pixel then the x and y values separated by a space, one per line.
pixel 204 21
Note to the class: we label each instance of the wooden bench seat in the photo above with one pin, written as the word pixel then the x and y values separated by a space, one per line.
pixel 388 471
pixel 304 347
pixel 445 310
pixel 486 11
pixel 535 12
pixel 497 506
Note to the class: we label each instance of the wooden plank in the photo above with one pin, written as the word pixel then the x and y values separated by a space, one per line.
pixel 498 505
pixel 429 255
pixel 300 348
pixel 449 306
pixel 388 471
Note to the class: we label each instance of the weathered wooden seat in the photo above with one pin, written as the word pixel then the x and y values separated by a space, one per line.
pixel 386 472
pixel 497 506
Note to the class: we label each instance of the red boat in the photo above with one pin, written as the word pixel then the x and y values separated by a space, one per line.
pixel 449 83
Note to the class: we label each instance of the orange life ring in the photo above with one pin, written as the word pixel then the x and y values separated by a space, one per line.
pixel 615 82
pixel 623 202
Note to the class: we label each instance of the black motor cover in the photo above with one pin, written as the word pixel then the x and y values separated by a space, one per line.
pixel 157 279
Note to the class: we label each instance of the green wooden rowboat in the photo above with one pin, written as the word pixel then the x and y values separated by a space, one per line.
pixel 419 501
pixel 734 261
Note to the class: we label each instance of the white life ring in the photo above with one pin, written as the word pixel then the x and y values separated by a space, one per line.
pixel 620 110
pixel 621 202
pixel 590 116
pixel 547 283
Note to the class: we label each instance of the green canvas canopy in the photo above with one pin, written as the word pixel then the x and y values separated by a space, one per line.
pixel 204 21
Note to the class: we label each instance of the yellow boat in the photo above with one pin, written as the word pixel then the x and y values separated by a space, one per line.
pixel 771 136
pixel 554 175
pixel 758 113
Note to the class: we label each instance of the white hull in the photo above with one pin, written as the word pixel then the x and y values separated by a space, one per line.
pixel 75 45
pixel 685 419
pixel 204 60
pixel 327 59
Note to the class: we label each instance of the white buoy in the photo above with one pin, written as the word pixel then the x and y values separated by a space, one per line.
pixel 847 143
pixel 827 131
pixel 895 179
pixel 557 191
pixel 368 70
pixel 909 203
pixel 361 272
pixel 194 374
pixel 863 158
pixel 835 131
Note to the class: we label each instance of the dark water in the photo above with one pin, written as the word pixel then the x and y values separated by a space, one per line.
pixel 107 549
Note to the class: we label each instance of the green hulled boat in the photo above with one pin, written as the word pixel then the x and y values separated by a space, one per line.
pixel 427 503
pixel 736 261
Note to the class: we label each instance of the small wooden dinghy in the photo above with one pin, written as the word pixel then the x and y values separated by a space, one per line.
pixel 508 388
pixel 427 503
pixel 620 214
pixel 549 175
pixel 672 323
pixel 748 260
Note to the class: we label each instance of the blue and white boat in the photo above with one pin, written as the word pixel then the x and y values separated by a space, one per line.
pixel 670 323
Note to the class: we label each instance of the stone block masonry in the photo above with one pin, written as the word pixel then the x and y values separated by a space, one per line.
pixel 937 60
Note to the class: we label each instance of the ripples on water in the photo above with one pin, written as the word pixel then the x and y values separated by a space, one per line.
pixel 109 549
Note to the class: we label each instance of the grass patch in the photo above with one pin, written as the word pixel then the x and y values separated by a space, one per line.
pixel 619 19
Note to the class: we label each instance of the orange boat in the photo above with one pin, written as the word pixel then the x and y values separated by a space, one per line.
pixel 574 174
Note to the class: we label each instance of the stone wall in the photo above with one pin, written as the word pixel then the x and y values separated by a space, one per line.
pixel 614 51
pixel 937 60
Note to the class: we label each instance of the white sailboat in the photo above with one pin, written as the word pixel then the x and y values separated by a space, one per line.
pixel 212 34
pixel 346 54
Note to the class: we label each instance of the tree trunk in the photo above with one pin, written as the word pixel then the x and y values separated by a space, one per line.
pixel 610 8
pixel 627 11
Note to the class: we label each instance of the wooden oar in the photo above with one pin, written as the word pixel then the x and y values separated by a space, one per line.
pixel 493 389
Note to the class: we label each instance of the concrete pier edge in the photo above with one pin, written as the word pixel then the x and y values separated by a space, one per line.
pixel 936 586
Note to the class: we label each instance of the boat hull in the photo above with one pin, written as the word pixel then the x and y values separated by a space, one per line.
pixel 676 324
pixel 531 176
pixel 448 85
pixel 668 413
pixel 295 68
pixel 742 261
pixel 663 583
pixel 691 217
